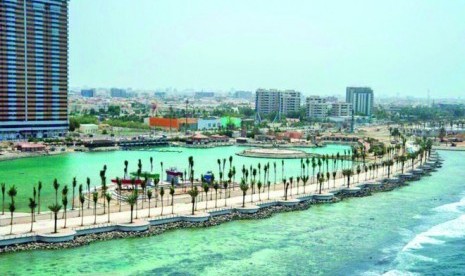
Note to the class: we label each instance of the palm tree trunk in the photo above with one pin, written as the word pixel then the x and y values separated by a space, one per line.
pixel 56 219
pixel 82 217
pixel 32 219
pixel 132 209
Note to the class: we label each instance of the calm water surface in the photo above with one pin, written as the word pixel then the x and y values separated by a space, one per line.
pixel 418 229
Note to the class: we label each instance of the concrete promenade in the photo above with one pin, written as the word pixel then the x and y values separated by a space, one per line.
pixel 44 223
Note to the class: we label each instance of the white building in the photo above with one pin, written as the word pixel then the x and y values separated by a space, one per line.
pixel 316 107
pixel 88 128
pixel 208 123
pixel 341 109
pixel 272 100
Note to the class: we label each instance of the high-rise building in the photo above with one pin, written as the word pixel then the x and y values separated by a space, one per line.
pixel 200 95
pixel 118 93
pixel 33 68
pixel 160 95
pixel 341 109
pixel 361 99
pixel 245 95
pixel 316 107
pixel 88 93
pixel 289 101
pixel 272 100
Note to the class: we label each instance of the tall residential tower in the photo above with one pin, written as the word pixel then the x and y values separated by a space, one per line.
pixel 33 68
pixel 361 99
pixel 276 101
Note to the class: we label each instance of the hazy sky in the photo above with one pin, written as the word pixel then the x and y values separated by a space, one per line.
pixel 400 47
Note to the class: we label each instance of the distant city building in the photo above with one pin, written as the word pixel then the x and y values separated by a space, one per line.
pixel 289 101
pixel 33 68
pixel 361 99
pixel 331 99
pixel 208 123
pixel 160 95
pixel 341 109
pixel 316 107
pixel 200 95
pixel 245 95
pixel 281 102
pixel 118 93
pixel 88 93
pixel 88 128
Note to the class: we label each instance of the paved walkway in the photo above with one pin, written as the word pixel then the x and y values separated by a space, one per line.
pixel 182 206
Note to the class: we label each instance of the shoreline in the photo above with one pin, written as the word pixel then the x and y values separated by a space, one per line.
pixel 263 212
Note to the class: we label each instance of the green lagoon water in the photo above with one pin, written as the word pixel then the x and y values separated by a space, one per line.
pixel 418 229
pixel 26 172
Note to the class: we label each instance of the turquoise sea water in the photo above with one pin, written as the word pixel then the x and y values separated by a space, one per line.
pixel 25 173
pixel 418 229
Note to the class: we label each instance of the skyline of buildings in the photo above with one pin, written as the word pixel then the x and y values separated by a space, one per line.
pixel 33 68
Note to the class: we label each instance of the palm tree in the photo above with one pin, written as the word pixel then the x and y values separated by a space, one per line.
pixel 104 188
pixel 143 185
pixel 56 186
pixel 172 191
pixel 334 179
pixel 88 192
pixel 74 186
pixel 282 169
pixel 64 201
pixel 95 199
pixel 32 206
pixel 151 164
pixel 348 173
pixel 274 170
pixel 320 181
pixel 230 162
pixel 216 186
pixel 291 180
pixel 286 187
pixel 12 209
pixel 359 170
pixel 3 198
pixel 162 193
pixel 389 163
pixel 304 181
pixel 119 183
pixel 269 184
pixel 206 188
pixel 39 188
pixel 82 200
pixel 225 186
pixel 259 187
pixel 79 192
pixel 194 192
pixel 108 198
pixel 131 200
pixel 55 208
pixel 313 168
pixel 149 196
pixel 244 187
